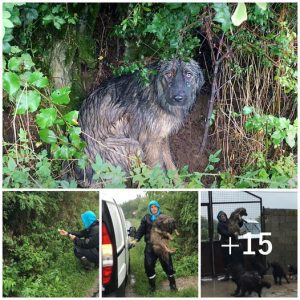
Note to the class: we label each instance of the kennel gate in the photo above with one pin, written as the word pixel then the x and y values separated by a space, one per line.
pixel 211 203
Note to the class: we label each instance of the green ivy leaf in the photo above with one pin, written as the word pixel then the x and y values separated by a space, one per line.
pixel 71 117
pixel 213 158
pixel 47 136
pixel 277 137
pixel 8 23
pixel 27 101
pixel 48 19
pixel 11 82
pixel 15 50
pixel 239 15
pixel 17 64
pixel 75 135
pixel 27 61
pixel 247 110
pixel 23 135
pixel 261 5
pixel 291 136
pixel 59 122
pixel 6 14
pixel 37 79
pixel 46 117
pixel 68 185
pixel 222 15
pixel 64 152
pixel 61 96
pixel 14 64
pixel 11 164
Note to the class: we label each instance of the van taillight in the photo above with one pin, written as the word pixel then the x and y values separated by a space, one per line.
pixel 107 256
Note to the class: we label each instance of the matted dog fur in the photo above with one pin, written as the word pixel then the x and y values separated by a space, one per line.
pixel 161 235
pixel 125 118
pixel 235 219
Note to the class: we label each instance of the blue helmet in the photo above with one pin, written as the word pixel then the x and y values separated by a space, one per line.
pixel 153 202
pixel 88 218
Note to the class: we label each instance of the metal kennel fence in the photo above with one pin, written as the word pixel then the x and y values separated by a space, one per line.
pixel 211 203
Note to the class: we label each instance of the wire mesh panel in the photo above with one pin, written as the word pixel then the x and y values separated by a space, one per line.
pixel 204 197
pixel 230 201
pixel 204 224
pixel 212 202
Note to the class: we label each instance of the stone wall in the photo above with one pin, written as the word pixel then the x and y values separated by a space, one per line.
pixel 282 223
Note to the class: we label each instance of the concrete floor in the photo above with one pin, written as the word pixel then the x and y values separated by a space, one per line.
pixel 216 288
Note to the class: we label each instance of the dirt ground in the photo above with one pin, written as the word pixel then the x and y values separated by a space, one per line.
pixel 185 145
pixel 94 290
pixel 181 282
pixel 216 288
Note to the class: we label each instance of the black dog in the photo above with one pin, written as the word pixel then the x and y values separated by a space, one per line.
pixel 247 281
pixel 292 271
pixel 278 273
pixel 258 265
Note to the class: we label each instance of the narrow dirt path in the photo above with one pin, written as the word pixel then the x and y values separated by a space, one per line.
pixel 94 290
pixel 181 282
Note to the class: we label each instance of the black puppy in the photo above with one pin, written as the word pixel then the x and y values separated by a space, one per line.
pixel 278 273
pixel 258 265
pixel 247 281
pixel 292 271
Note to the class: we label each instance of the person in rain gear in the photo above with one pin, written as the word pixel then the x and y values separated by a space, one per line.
pixel 150 257
pixel 223 230
pixel 86 241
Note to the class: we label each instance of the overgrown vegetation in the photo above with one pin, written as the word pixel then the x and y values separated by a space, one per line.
pixel 37 261
pixel 183 206
pixel 253 125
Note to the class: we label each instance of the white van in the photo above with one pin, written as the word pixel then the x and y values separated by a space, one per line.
pixel 115 253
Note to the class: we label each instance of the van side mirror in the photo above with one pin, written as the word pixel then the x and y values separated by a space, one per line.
pixel 131 231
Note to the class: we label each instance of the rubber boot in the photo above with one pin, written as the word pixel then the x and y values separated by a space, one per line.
pixel 152 286
pixel 172 282
pixel 86 263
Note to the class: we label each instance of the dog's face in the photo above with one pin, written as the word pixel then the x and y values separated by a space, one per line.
pixel 240 212
pixel 179 82
pixel 243 212
pixel 165 223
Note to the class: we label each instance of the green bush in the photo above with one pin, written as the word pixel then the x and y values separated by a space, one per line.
pixel 45 133
pixel 38 262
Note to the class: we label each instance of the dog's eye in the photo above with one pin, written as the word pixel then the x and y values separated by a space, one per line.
pixel 189 75
pixel 169 74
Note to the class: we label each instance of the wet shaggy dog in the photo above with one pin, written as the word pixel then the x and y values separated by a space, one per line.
pixel 161 235
pixel 125 118
pixel 235 219
pixel 247 281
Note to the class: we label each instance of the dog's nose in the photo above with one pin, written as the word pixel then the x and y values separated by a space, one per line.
pixel 178 98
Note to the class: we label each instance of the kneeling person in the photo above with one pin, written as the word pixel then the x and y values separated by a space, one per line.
pixel 86 241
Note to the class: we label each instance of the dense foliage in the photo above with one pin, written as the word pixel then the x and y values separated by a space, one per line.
pixel 253 126
pixel 37 261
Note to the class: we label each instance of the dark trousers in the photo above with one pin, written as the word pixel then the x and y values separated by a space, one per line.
pixel 226 257
pixel 150 262
pixel 236 256
pixel 92 255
